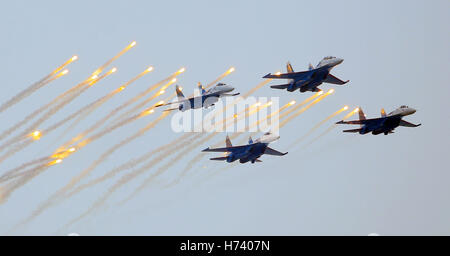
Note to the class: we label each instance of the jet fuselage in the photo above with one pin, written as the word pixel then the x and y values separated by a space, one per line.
pixel 250 153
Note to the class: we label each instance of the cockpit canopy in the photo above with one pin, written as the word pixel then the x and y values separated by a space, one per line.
pixel 220 84
pixel 403 106
pixel 267 133
pixel 329 57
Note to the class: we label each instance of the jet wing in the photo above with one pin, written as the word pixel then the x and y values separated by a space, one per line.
pixel 294 75
pixel 364 121
pixel 226 149
pixel 271 151
pixel 334 80
pixel 408 124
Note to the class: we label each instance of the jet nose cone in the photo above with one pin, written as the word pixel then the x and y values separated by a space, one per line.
pixel 339 61
pixel 409 111
pixel 228 88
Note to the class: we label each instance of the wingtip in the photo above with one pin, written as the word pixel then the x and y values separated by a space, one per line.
pixel 267 76
pixel 206 149
pixel 346 81
pixel 340 122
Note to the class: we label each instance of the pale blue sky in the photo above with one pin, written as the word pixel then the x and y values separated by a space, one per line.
pixel 396 53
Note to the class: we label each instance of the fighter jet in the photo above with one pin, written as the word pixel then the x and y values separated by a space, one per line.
pixel 311 79
pixel 206 99
pixel 247 153
pixel 384 124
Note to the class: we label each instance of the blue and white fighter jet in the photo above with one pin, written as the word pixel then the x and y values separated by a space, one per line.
pixel 384 124
pixel 247 153
pixel 309 80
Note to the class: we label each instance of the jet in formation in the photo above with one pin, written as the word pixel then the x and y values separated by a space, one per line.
pixel 206 99
pixel 247 153
pixel 384 124
pixel 311 79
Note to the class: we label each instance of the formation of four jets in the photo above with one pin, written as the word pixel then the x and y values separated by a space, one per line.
pixel 303 81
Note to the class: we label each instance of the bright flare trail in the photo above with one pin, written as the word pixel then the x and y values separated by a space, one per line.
pixel 319 99
pixel 356 110
pixel 229 71
pixel 146 101
pixel 128 177
pixel 119 108
pixel 65 153
pixel 39 84
pixel 101 68
pixel 83 113
pixel 71 94
pixel 164 150
pixel 46 116
pixel 317 126
pixel 192 144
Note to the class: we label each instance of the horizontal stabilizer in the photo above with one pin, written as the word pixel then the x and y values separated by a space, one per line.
pixel 280 86
pixel 334 80
pixel 170 109
pixel 352 130
pixel 408 124
pixel 223 158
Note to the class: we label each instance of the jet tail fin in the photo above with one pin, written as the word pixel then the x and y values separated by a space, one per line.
pixel 289 67
pixel 383 113
pixel 228 142
pixel 201 88
pixel 250 140
pixel 310 67
pixel 362 116
pixel 180 95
